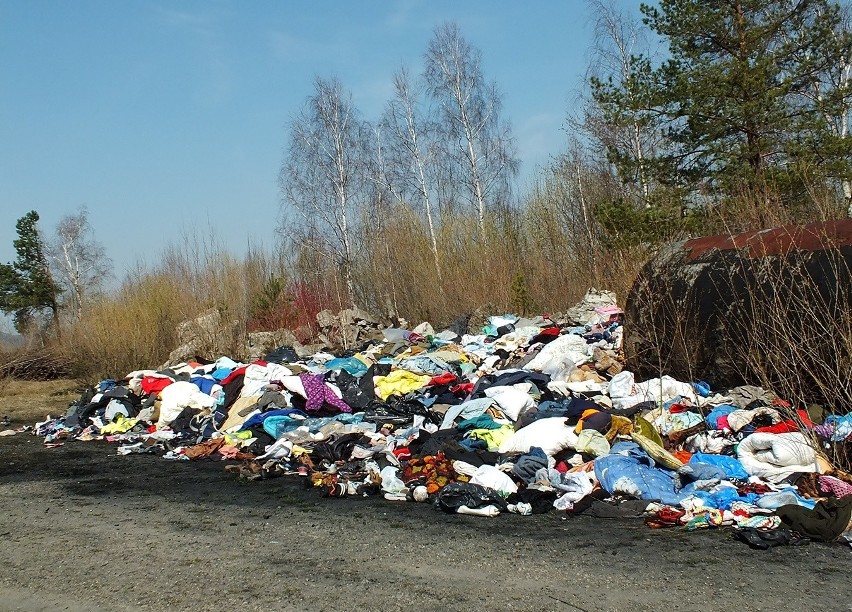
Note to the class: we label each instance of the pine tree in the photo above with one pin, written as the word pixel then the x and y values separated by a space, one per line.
pixel 735 95
pixel 26 286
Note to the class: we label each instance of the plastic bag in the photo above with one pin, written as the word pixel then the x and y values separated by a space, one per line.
pixel 458 494
pixel 391 482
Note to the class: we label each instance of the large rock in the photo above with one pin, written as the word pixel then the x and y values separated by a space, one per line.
pixel 584 312
pixel 260 343
pixel 206 335
pixel 348 328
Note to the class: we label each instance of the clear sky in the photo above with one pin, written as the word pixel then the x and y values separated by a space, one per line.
pixel 167 118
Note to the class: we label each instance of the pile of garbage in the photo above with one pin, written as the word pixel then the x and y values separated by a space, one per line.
pixel 525 416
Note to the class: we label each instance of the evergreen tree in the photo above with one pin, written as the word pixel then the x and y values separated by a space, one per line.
pixel 735 95
pixel 26 286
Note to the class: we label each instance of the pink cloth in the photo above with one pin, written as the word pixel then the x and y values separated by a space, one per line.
pixel 835 486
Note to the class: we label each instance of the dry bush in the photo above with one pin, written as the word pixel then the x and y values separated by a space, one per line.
pixel 795 336
pixel 135 327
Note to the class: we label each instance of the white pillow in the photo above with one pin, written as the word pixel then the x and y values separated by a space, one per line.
pixel 551 435
pixel 512 400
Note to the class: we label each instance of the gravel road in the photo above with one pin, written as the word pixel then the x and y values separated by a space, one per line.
pixel 85 529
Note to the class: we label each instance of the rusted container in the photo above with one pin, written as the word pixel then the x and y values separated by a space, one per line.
pixel 740 308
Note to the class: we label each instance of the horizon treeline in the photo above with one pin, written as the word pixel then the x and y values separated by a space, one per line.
pixel 699 118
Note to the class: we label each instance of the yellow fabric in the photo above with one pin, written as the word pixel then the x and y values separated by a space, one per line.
pixel 647 429
pixel 239 438
pixel 399 382
pixel 121 425
pixel 620 426
pixel 493 437
pixel 657 452
pixel 449 355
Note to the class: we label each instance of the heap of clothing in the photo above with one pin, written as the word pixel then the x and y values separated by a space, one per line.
pixel 517 418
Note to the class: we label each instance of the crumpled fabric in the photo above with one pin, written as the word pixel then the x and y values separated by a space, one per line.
pixel 730 466
pixel 121 424
pixel 527 465
pixel 399 382
pixel 489 476
pixel 470 409
pixel 712 419
pixel 744 395
pixel 825 522
pixel 205 449
pixel 711 442
pixel 777 456
pixel 628 470
pixel 576 486
pixel 592 442
pixel 740 418
pixel 657 451
pixel 424 364
pixel 835 486
pixel 619 426
pixel 492 437
pixel 513 400
pixel 180 395
pixel 259 374
pixel 837 427
pixel 318 393
pixel 668 422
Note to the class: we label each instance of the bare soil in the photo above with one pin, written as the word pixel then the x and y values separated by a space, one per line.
pixel 85 529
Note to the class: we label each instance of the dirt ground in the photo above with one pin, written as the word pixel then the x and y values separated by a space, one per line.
pixel 85 529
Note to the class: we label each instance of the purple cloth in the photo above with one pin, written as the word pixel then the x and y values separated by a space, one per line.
pixel 835 486
pixel 824 431
pixel 319 393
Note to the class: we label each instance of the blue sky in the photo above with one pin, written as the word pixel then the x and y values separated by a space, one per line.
pixel 167 118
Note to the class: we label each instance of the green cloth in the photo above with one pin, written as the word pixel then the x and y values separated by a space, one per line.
pixel 825 522
pixel 484 421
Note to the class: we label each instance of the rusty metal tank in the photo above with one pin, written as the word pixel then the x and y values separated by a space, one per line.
pixel 736 309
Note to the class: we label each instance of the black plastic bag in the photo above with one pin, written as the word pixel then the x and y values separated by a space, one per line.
pixel 458 494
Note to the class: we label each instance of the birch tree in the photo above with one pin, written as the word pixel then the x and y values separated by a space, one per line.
pixel 409 154
pixel 324 176
pixel 79 260
pixel 475 137
pixel 617 39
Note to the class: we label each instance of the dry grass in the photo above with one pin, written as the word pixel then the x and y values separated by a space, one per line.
pixel 25 402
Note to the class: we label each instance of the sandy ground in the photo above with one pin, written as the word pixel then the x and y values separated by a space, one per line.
pixel 85 529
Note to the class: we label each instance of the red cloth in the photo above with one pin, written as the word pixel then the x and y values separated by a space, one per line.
pixel 154 384
pixel 804 418
pixel 402 453
pixel 546 335
pixel 678 408
pixel 463 388
pixel 230 377
pixel 683 455
pixel 782 427
pixel 444 379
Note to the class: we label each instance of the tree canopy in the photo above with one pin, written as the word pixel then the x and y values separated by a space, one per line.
pixel 26 286
pixel 747 96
